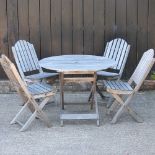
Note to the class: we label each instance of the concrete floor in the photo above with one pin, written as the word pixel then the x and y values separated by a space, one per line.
pixel 79 137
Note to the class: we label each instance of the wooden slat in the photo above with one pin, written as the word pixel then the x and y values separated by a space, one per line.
pixel 12 18
pixel 151 24
pixel 108 49
pixel 131 35
pixel 21 68
pixel 23 19
pixel 31 55
pixel 3 33
pixel 78 79
pixel 108 84
pixel 77 26
pixel 39 88
pixel 118 50
pixel 78 116
pixel 56 26
pixel 18 57
pixel 45 29
pixel 88 27
pixel 113 51
pixel 122 56
pixel 118 85
pixel 99 19
pixel 34 56
pixel 121 18
pixel 25 55
pixel 142 43
pixel 34 25
pixel 66 26
pixel 110 20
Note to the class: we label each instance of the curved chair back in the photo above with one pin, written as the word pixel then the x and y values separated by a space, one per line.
pixel 26 58
pixel 117 49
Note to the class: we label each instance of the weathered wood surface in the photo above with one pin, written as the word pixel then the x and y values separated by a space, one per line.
pixel 76 63
pixel 30 92
pixel 27 61
pixel 119 88
pixel 58 27
pixel 118 50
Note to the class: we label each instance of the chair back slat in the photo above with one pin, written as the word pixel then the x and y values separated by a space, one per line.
pixel 20 50
pixel 143 68
pixel 34 56
pixel 28 55
pixel 118 50
pixel 25 56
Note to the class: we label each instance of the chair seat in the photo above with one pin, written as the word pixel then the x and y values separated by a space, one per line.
pixel 39 88
pixel 118 87
pixel 107 74
pixel 41 75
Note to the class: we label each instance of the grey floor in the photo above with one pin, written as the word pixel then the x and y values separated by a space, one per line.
pixel 79 137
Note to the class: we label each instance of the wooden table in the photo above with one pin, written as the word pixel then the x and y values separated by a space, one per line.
pixel 77 65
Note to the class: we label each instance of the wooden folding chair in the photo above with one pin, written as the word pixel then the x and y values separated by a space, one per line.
pixel 31 92
pixel 118 50
pixel 120 90
pixel 28 63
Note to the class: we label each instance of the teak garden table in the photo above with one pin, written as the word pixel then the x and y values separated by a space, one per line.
pixel 77 65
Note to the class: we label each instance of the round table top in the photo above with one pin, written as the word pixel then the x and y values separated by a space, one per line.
pixel 67 63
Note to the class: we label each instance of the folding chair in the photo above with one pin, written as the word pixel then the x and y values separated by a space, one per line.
pixel 28 63
pixel 31 92
pixel 118 50
pixel 124 91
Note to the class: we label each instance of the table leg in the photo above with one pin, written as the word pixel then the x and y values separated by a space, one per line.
pixel 94 90
pixel 61 89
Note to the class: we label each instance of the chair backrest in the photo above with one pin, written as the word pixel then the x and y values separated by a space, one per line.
pixel 118 50
pixel 14 76
pixel 25 57
pixel 142 69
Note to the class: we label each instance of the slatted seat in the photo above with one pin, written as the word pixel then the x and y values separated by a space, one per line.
pixel 39 88
pixel 119 87
pixel 123 92
pixel 30 92
pixel 27 61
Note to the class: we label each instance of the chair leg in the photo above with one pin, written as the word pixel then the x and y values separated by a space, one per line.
pixel 117 115
pixel 110 102
pixel 123 107
pixel 29 121
pixel 90 96
pixel 44 118
pixel 61 123
pixel 99 92
pixel 37 113
pixel 134 115
pixel 112 107
pixel 19 113
pixel 41 114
